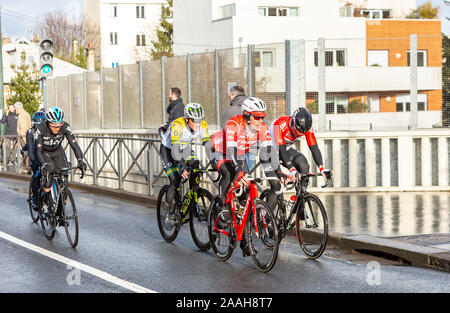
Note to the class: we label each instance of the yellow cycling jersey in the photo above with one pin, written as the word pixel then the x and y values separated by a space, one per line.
pixel 180 133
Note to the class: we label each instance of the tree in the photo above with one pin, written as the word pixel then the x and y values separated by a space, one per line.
pixel 424 11
pixel 24 86
pixel 163 47
pixel 58 26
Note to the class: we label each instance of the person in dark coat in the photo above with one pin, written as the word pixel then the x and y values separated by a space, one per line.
pixel 10 119
pixel 175 108
pixel 237 97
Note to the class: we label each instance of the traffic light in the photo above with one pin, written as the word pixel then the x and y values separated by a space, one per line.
pixel 46 58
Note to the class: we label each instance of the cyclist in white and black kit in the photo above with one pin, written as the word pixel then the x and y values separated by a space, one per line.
pixel 49 137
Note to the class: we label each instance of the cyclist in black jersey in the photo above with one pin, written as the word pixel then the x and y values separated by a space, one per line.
pixel 30 148
pixel 49 137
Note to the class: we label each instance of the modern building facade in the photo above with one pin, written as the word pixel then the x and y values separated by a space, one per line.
pixel 127 28
pixel 367 47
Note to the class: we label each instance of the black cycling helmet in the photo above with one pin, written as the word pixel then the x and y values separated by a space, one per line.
pixel 38 117
pixel 302 120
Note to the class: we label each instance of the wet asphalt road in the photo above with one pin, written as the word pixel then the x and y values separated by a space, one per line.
pixel 121 240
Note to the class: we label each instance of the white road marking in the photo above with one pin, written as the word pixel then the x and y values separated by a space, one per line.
pixel 85 268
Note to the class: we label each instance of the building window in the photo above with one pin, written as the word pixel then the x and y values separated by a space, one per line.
pixel 336 104
pixel 140 40
pixel 113 10
pixel 293 11
pixel 113 38
pixel 403 102
pixel 263 58
pixel 226 11
pixel 346 11
pixel 377 14
pixel 140 11
pixel 421 58
pixel 332 57
pixel 278 11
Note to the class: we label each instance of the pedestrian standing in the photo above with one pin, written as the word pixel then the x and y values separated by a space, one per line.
pixel 10 119
pixel 237 97
pixel 175 108
pixel 23 125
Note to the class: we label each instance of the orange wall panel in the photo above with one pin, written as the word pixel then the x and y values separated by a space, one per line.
pixel 434 98
pixel 393 35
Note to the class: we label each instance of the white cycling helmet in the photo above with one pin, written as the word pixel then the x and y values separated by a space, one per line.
pixel 194 111
pixel 254 106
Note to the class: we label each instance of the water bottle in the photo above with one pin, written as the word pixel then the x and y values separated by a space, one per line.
pixel 290 205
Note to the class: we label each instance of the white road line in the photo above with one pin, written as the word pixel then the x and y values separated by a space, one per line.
pixel 85 268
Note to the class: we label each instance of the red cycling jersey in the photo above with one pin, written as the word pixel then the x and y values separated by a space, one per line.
pixel 236 133
pixel 283 135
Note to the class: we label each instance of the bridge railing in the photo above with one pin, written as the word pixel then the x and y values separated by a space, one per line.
pixel 415 160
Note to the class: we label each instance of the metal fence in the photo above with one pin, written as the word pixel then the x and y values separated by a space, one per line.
pixel 348 84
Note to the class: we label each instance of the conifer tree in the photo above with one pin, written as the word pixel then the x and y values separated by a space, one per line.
pixel 24 87
pixel 163 47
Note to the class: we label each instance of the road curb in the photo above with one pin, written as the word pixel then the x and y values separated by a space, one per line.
pixel 413 254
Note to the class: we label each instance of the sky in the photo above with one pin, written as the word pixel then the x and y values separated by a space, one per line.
pixel 19 17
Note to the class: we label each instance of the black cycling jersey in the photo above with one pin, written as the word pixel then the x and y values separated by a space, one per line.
pixel 30 145
pixel 47 142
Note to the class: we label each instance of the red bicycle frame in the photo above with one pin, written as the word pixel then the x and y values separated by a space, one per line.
pixel 249 206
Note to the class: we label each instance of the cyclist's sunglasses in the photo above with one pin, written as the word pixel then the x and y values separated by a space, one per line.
pixel 196 120
pixel 258 117
pixel 53 125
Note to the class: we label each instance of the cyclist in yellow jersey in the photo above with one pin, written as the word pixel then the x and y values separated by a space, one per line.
pixel 176 154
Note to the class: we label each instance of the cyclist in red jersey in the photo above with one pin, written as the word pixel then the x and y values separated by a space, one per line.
pixel 284 131
pixel 241 134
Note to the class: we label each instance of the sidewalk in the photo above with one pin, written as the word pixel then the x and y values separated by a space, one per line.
pixel 428 250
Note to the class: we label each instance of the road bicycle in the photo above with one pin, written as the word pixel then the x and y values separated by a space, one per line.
pixel 306 213
pixel 61 212
pixel 254 221
pixel 192 207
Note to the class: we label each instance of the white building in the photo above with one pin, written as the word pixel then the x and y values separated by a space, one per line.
pixel 127 28
pixel 205 25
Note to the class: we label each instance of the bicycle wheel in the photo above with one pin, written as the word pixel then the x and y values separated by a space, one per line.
pixel 312 226
pixel 69 217
pixel 48 224
pixel 278 213
pixel 198 219
pixel 264 246
pixel 33 212
pixel 219 232
pixel 168 227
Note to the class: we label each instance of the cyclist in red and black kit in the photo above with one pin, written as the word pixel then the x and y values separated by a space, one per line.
pixel 284 131
pixel 240 134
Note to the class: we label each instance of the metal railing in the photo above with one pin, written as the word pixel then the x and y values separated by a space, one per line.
pixel 126 163
pixel 361 161
pixel 10 151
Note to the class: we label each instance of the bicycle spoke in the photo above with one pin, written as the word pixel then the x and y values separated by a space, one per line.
pixel 312 227
pixel 263 239
pixel 198 220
